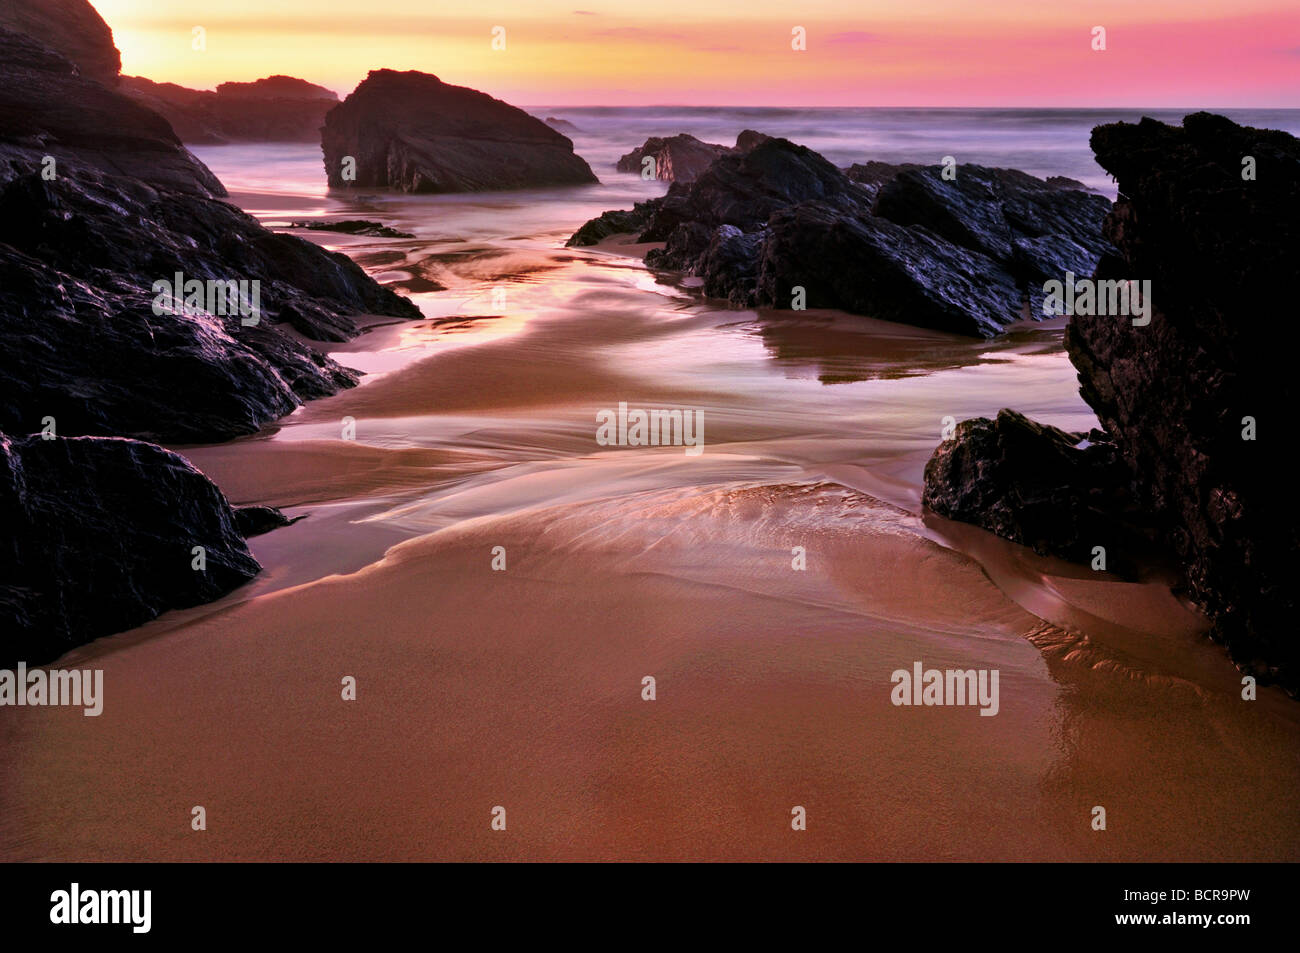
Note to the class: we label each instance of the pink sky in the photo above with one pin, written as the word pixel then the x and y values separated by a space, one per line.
pixel 1177 53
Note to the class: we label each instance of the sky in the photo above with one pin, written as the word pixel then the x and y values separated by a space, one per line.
pixel 1158 53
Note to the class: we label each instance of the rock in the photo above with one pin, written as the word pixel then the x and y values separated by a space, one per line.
pixel 748 139
pixel 676 158
pixel 72 28
pixel 1004 214
pixel 1178 398
pixel 683 157
pixel 561 125
pixel 903 245
pixel 47 109
pixel 353 227
pixel 1059 493
pixel 614 223
pixel 275 109
pixel 869 265
pixel 413 132
pixel 1222 253
pixel 99 538
pixel 255 520
pixel 79 255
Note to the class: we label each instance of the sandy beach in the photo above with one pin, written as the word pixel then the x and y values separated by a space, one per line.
pixel 521 686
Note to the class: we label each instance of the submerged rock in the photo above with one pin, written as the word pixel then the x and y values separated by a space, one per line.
pixel 413 132
pixel 100 536
pixel 1195 402
pixel 275 109
pixel 353 227
pixel 256 520
pixel 779 226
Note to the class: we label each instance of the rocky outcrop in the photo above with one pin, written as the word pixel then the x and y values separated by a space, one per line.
pixel 98 201
pixel 413 132
pixel 914 247
pixel 1061 494
pixel 1196 401
pixel 614 223
pixel 72 28
pixel 561 125
pixel 678 158
pixel 1222 252
pixel 682 158
pixel 101 536
pixel 276 109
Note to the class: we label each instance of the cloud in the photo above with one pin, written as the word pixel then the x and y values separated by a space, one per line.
pixel 584 13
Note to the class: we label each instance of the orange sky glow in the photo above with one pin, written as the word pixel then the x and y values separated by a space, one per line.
pixel 1175 53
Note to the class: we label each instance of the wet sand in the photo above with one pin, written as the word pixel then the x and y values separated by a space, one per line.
pixel 522 687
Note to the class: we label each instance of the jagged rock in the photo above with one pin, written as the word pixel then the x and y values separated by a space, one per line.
pixel 99 538
pixel 678 158
pixel 682 158
pixel 869 265
pixel 72 28
pixel 128 206
pixel 1059 493
pixel 275 109
pixel 353 227
pixel 1222 252
pixel 905 246
pixel 413 132
pixel 1037 229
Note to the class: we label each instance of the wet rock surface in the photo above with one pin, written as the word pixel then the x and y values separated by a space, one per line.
pixel 100 536
pixel 901 243
pixel 82 242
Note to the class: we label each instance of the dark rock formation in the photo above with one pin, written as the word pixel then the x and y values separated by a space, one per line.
pixel 356 226
pixel 1061 494
pixel 561 125
pixel 682 158
pixel 82 242
pixel 958 256
pixel 1180 398
pixel 100 536
pixel 253 521
pixel 70 27
pixel 1222 253
pixel 276 109
pixel 676 158
pixel 413 132
pixel 614 223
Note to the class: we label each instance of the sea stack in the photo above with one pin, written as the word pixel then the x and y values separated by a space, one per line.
pixel 413 132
